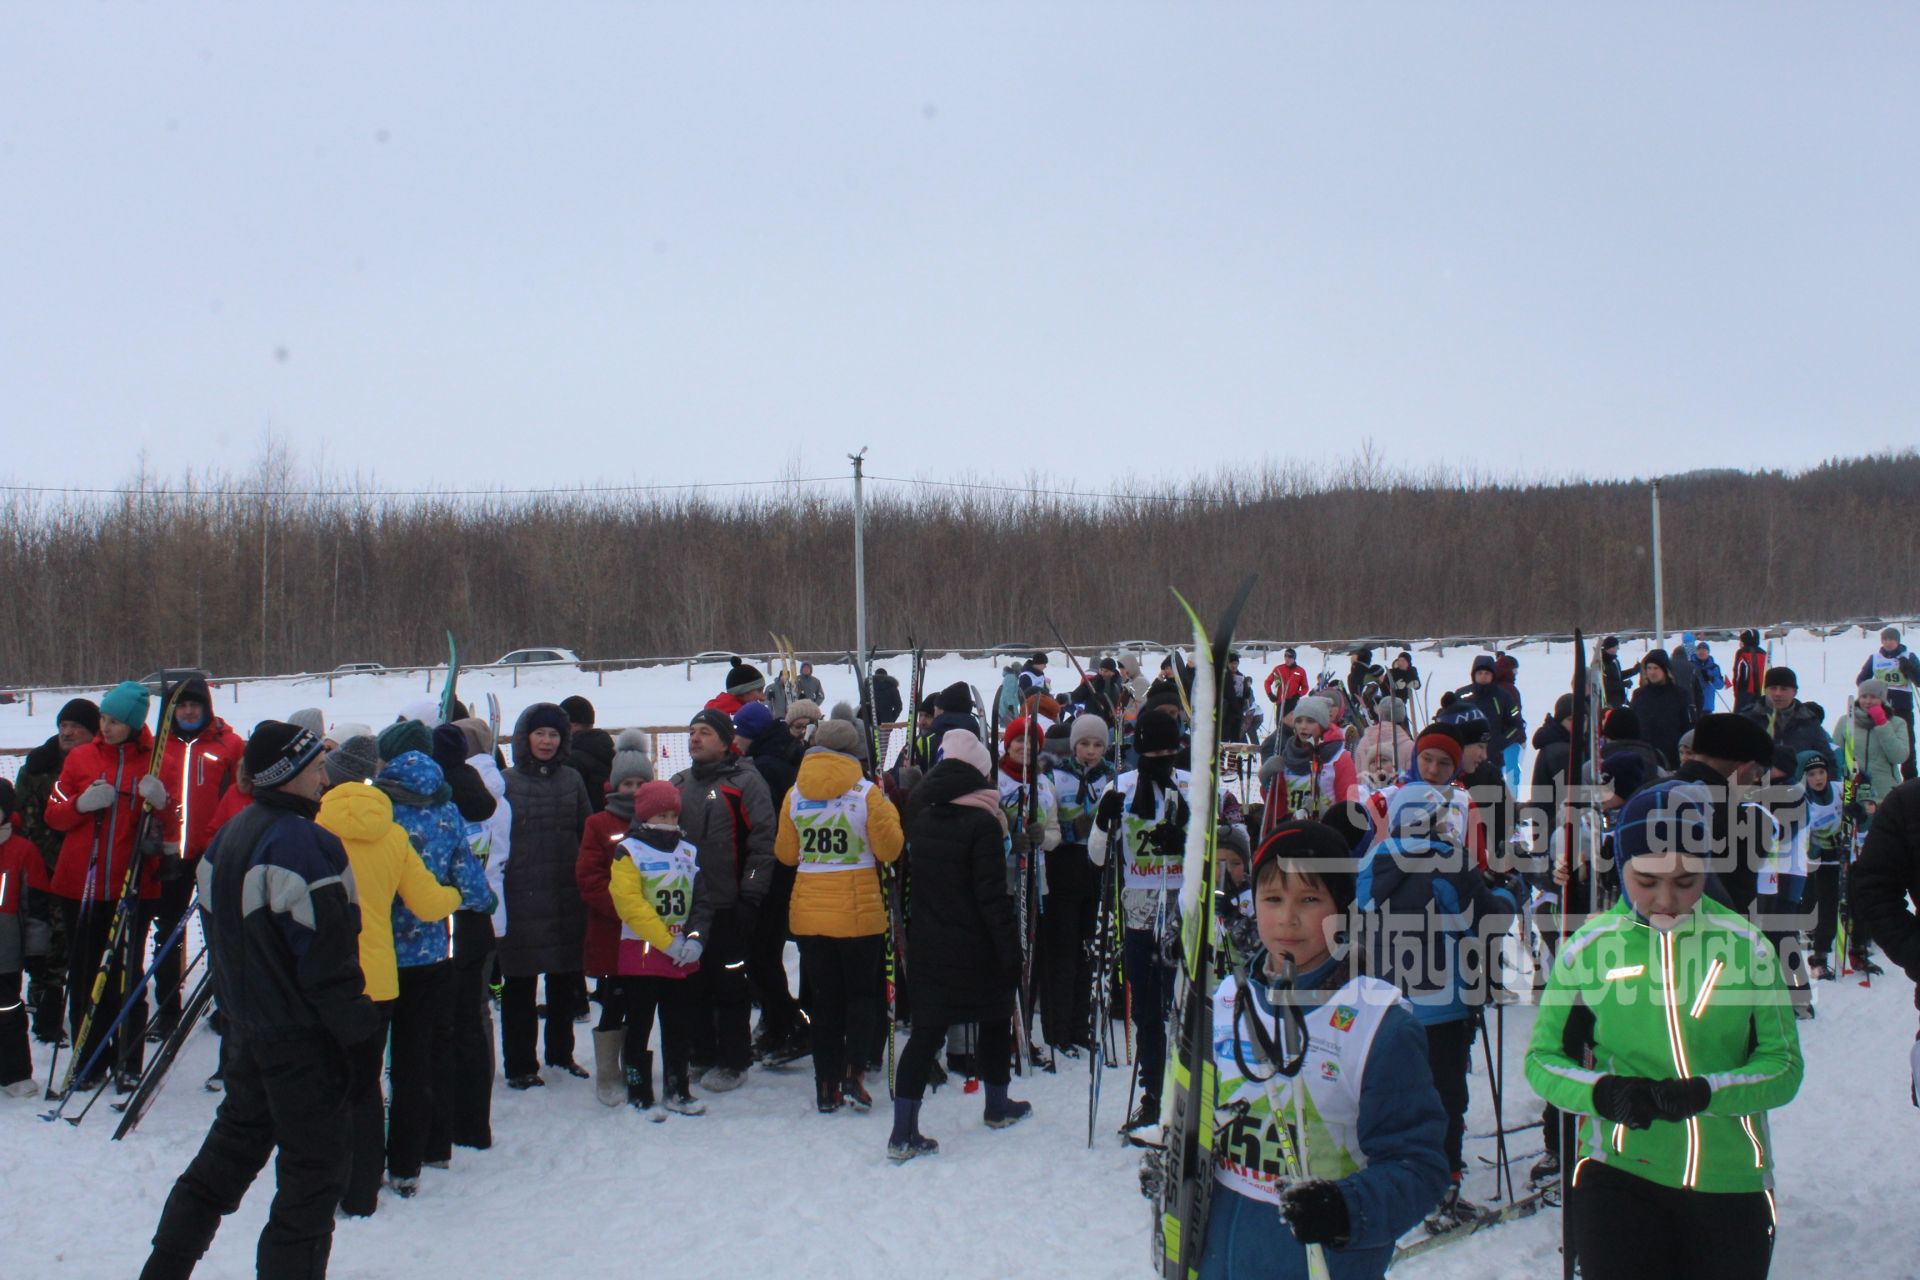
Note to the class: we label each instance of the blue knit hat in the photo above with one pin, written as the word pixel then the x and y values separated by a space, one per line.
pixel 127 702
pixel 1668 817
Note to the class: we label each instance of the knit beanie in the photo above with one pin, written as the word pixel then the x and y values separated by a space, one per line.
pixel 1779 678
pixel 958 744
pixel 82 712
pixel 127 702
pixel 751 720
pixel 277 752
pixel 1312 848
pixel 479 735
pixel 408 735
pixel 544 715
pixel 1089 728
pixel 1314 709
pixel 804 709
pixel 1725 735
pixel 630 759
pixel 1394 711
pixel 1438 737
pixel 653 799
pixel 1015 731
pixel 356 759
pixel 840 735
pixel 579 711
pixel 425 710
pixel 718 721
pixel 350 729
pixel 957 697
pixel 312 719
pixel 1156 734
pixel 1668 817
pixel 744 678
pixel 1621 725
pixel 1872 687
pixel 1890 634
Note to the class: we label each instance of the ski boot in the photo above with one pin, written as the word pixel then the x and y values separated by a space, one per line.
pixel 906 1142
pixel 1821 971
pixel 1003 1112
pixel 405 1188
pixel 1545 1170
pixel 1864 964
pixel 1144 1116
pixel 853 1091
pixel 1452 1211
pixel 826 1097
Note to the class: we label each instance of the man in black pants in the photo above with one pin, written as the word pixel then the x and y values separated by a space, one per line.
pixel 283 930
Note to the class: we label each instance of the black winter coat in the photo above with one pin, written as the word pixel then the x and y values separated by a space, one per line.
pixel 1887 874
pixel 776 753
pixel 546 919
pixel 1665 711
pixel 1798 728
pixel 963 936
pixel 591 755
pixel 886 699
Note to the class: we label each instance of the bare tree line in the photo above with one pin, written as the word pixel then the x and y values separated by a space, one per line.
pixel 256 574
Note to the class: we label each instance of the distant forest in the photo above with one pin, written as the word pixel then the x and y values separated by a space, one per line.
pixel 271 571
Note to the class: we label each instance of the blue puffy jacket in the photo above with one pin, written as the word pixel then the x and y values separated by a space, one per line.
pixel 423 805
pixel 1431 924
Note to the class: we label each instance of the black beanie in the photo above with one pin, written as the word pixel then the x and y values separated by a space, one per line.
pixel 1315 849
pixel 957 698
pixel 718 721
pixel 1156 732
pixel 1621 725
pixel 1725 735
pixel 743 678
pixel 278 751
pixel 546 715
pixel 579 711
pixel 81 712
pixel 1782 678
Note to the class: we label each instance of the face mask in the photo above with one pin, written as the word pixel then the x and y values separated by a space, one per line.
pixel 185 725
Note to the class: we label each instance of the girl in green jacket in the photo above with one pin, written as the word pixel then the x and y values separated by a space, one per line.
pixel 1666 1025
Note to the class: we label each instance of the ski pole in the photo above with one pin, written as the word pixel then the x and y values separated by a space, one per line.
pixel 106 1037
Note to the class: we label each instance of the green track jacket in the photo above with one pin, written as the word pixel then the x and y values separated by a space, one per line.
pixel 1707 999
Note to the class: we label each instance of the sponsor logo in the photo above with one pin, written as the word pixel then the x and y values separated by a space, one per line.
pixel 1343 1016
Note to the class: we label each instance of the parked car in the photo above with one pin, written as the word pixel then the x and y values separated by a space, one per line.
pixel 158 682
pixel 538 657
pixel 358 669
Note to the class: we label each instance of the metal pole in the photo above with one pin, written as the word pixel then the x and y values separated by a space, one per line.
pixel 1659 600
pixel 859 566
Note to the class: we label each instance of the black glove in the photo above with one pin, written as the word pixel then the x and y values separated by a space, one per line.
pixel 1167 841
pixel 1678 1100
pixel 1316 1212
pixel 1626 1100
pixel 1111 807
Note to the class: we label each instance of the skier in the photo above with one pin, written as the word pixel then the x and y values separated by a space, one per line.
pixel 546 920
pixel 1144 816
pixel 728 817
pixel 1286 684
pixel 836 828
pixel 807 685
pixel 1078 778
pixel 104 789
pixel 75 725
pixel 1707 679
pixel 1662 707
pixel 1899 670
pixel 1373 1133
pixel 1729 753
pixel 1614 679
pixel 660 892
pixel 1313 771
pixel 385 867
pixel 1679 1005
pixel 1749 671
pixel 286 974
pixel 1873 741
pixel 420 1121
pixel 600 946
pixel 1427 920
pixel 1236 700
pixel 23 940
pixel 963 937
pixel 1499 703
pixel 1827 856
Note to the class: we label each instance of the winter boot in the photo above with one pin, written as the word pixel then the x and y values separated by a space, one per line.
pixel 1144 1116
pixel 826 1097
pixel 680 1099
pixel 722 1080
pixel 1003 1112
pixel 906 1141
pixel 1453 1211
pixel 639 1078
pixel 1545 1170
pixel 573 1068
pixel 607 1074
pixel 529 1081
pixel 853 1091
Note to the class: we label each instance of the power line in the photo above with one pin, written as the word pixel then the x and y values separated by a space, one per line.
pixel 410 493
pixel 1060 493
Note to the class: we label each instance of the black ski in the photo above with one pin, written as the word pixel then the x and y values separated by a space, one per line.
pixel 135 1105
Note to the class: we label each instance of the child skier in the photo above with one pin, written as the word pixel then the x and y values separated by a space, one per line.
pixel 1665 1023
pixel 664 915
pixel 1078 780
pixel 1359 1103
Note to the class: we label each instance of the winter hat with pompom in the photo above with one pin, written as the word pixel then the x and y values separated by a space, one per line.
pixel 630 759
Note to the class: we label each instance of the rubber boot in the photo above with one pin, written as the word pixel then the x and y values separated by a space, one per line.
pixel 607 1074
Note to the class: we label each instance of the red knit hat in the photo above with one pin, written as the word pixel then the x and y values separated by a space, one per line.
pixel 1437 738
pixel 653 799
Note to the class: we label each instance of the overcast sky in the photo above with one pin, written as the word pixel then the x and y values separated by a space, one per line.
pixel 558 243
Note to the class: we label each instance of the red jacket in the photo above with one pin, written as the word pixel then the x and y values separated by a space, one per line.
pixel 116 826
pixel 21 868
pixel 197 772
pixel 594 873
pixel 1286 683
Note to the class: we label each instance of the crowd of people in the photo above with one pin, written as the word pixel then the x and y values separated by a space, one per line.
pixel 375 898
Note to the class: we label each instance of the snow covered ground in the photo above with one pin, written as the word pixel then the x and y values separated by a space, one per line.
pixel 762 1186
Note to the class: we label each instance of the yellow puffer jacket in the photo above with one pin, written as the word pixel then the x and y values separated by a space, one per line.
pixel 838 904
pixel 384 865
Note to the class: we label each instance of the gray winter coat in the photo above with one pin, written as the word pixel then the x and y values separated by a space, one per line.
pixel 727 812
pixel 546 920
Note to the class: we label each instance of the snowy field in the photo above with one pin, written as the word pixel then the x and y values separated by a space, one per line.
pixel 762 1186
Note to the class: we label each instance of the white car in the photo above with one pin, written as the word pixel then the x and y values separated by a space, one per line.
pixel 359 669
pixel 539 657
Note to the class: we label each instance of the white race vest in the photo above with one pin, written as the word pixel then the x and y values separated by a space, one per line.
pixel 833 833
pixel 1146 867
pixel 668 881
pixel 1340 1033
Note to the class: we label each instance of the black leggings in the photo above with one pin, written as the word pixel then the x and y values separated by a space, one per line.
pixel 89 931
pixel 1627 1228
pixel 844 977
pixel 1449 1056
pixel 677 1003
pixel 1066 924
pixel 993 1055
